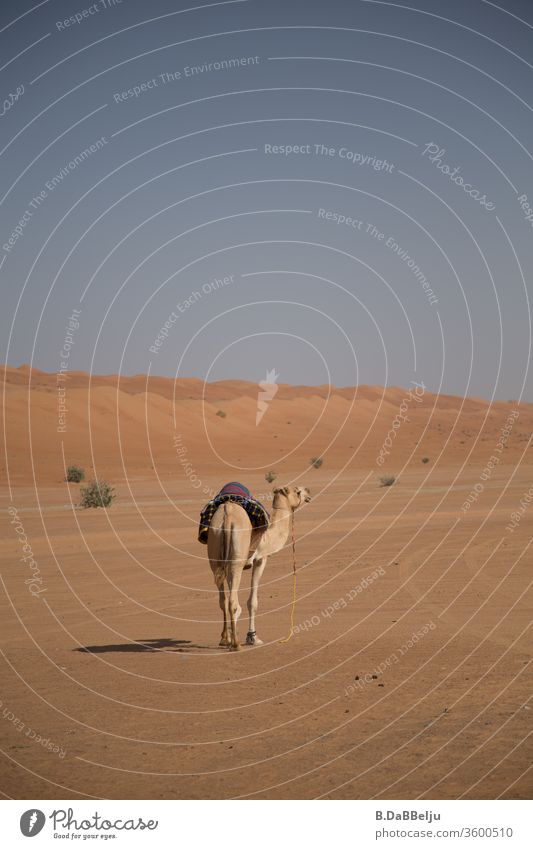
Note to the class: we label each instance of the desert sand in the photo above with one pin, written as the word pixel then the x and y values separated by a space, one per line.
pixel 407 675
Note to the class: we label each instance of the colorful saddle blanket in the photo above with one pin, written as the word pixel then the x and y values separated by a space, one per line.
pixel 240 494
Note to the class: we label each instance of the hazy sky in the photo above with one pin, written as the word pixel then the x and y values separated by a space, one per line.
pixel 335 190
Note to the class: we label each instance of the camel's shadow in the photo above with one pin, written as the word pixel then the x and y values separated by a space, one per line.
pixel 163 644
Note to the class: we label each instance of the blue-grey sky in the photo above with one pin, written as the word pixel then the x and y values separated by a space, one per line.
pixel 340 191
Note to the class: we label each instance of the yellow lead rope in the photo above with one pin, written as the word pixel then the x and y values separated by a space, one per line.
pixel 286 640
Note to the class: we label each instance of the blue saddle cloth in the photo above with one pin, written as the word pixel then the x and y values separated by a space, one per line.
pixel 239 494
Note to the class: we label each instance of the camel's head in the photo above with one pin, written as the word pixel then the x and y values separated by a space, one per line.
pixel 295 495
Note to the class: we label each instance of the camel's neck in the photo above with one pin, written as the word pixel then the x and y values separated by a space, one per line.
pixel 278 530
pixel 281 519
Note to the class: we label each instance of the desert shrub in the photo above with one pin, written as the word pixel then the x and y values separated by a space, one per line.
pixel 97 494
pixel 270 477
pixel 387 480
pixel 75 474
pixel 221 413
pixel 425 459
pixel 316 462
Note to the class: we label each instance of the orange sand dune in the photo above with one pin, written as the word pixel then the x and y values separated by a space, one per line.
pixel 130 425
pixel 195 389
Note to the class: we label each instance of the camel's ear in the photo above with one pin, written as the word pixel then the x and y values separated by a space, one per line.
pixel 283 490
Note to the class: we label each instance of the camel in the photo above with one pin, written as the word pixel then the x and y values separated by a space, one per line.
pixel 233 545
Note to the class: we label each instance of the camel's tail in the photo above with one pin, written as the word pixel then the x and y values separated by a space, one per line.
pixel 226 553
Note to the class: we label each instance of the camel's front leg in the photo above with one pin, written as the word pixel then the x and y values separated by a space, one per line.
pixel 257 570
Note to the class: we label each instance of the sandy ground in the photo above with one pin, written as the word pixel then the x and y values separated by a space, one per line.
pixel 407 676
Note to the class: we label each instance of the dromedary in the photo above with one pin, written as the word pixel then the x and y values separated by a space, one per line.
pixel 232 544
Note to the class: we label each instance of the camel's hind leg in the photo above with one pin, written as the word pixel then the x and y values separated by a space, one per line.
pixel 251 638
pixel 234 580
pixel 228 546
pixel 224 606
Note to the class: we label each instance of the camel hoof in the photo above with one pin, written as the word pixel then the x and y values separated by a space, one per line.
pixel 238 647
pixel 252 639
pixel 224 642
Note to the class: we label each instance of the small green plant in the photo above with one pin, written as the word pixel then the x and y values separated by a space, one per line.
pixel 97 494
pixel 316 462
pixel 221 413
pixel 270 477
pixel 387 480
pixel 425 459
pixel 75 474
